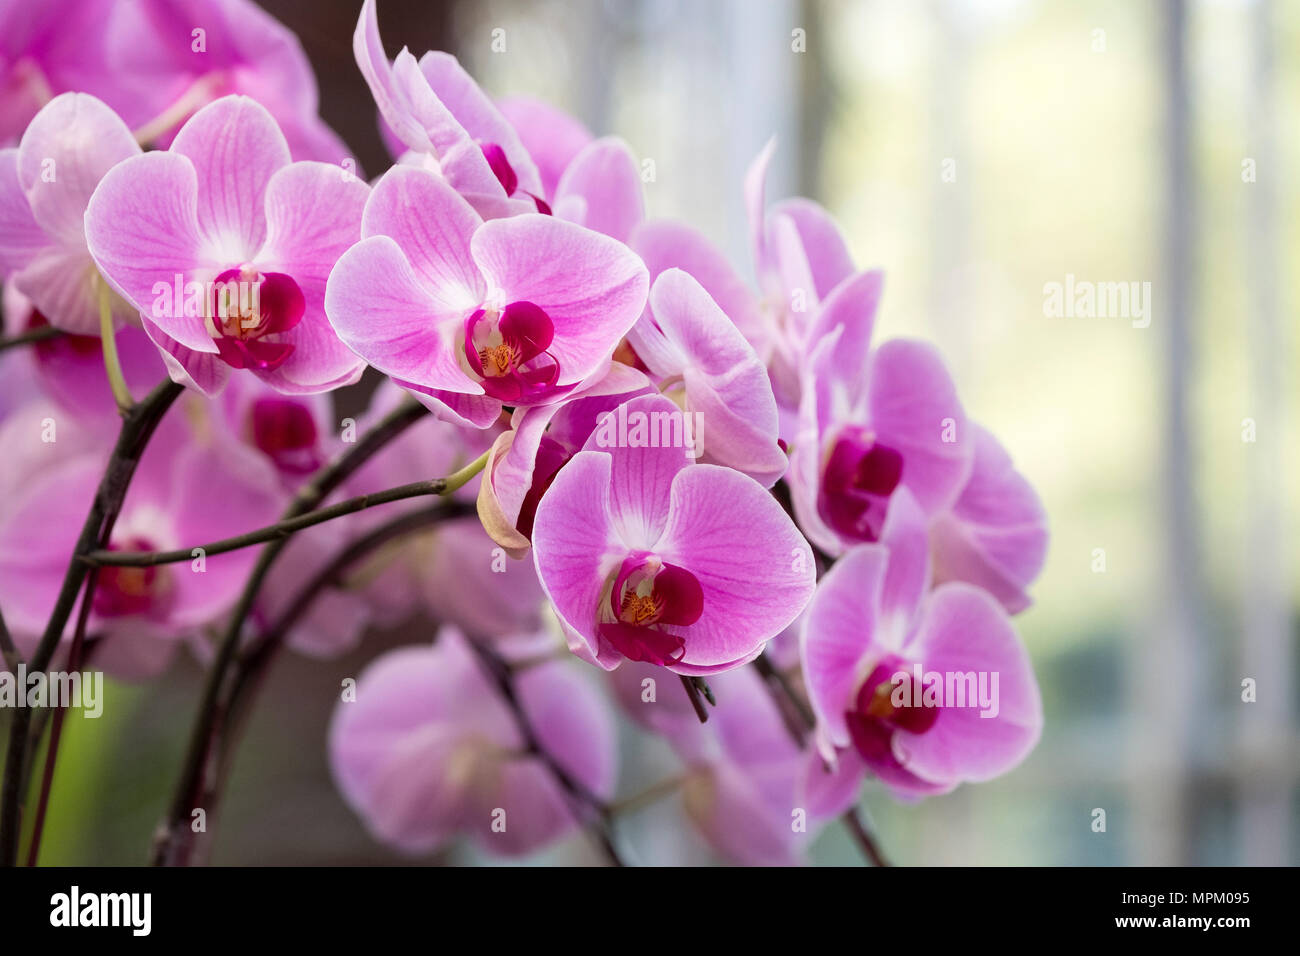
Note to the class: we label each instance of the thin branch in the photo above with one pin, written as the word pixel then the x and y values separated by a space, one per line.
pixel 253 664
pixel 56 728
pixel 858 827
pixel 255 659
pixel 796 715
pixel 138 426
pixel 40 334
pixel 499 670
pixel 697 701
pixel 174 838
pixel 125 404
pixel 41 719
pixel 799 721
pixel 281 529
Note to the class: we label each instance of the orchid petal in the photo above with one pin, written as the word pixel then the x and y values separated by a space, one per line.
pixel 236 147
pixel 592 287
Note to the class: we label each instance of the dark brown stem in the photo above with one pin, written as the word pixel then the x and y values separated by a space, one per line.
pixel 798 718
pixel 697 701
pixel 583 801
pixel 56 726
pixel 858 827
pixel 254 663
pixel 138 424
pixel 40 334
pixel 274 532
pixel 174 839
pixel 799 721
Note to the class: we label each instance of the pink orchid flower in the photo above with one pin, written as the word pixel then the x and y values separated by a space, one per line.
pixel 50 48
pixel 45 185
pixel 525 459
pixel 295 433
pixel 926 689
pixel 429 750
pixel 184 493
pixel 647 556
pixel 799 257
pixel 871 422
pixel 549 135
pixel 157 61
pixel 169 69
pixel 601 189
pixel 995 534
pixel 437 111
pixel 70 368
pixel 666 244
pixel 749 789
pixel 473 315
pixel 691 347
pixel 223 245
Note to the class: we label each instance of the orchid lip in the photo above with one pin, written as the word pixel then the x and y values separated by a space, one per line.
pixel 124 591
pixel 647 594
pixel 507 353
pixel 506 176
pixel 285 431
pixel 876 716
pixel 859 476
pixel 246 307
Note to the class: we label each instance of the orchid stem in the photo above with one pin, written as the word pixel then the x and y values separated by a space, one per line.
pixel 75 657
pixel 253 663
pixel 498 669
pixel 281 529
pixel 174 839
pixel 799 721
pixel 138 427
pixel 862 834
pixel 108 338
pixel 697 702
pixel 41 333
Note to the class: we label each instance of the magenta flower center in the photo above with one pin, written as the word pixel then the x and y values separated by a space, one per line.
pixel 859 476
pixel 551 457
pixel 648 595
pixel 506 176
pixel 123 591
pixel 285 431
pixel 887 701
pixel 506 352
pixel 249 311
